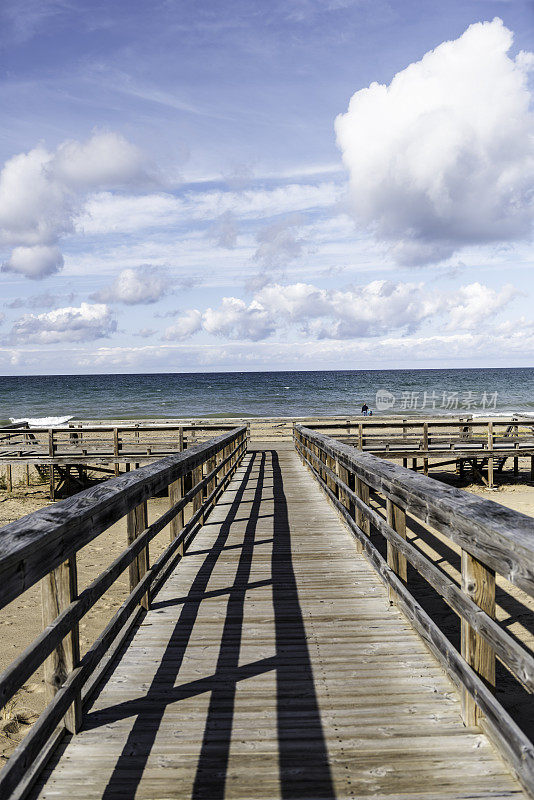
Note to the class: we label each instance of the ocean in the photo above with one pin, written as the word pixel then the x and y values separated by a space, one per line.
pixel 53 399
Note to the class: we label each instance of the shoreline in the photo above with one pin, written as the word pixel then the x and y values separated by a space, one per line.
pixel 137 419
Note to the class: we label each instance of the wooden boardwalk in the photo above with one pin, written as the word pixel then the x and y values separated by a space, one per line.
pixel 271 665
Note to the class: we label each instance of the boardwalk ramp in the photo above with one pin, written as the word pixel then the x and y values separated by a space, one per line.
pixel 278 646
pixel 272 664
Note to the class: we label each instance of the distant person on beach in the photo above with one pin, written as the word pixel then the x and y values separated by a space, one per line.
pixel 365 409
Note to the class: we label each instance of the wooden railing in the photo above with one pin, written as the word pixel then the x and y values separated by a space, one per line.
pixel 492 539
pixel 113 439
pixel 422 434
pixel 43 546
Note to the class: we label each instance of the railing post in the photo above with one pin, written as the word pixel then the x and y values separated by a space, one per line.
pixel 343 474
pixel 136 522
pixel 176 492
pixel 9 478
pixel 51 451
pixel 425 448
pixel 323 457
pixel 218 458
pixel 116 450
pixel 478 582
pixel 330 482
pixel 224 471
pixel 197 499
pixel 211 464
pixel 360 435
pixel 362 520
pixel 396 519
pixel 490 454
pixel 58 589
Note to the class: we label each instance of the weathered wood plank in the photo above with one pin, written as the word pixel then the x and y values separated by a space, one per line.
pixel 58 589
pixel 478 583
pixel 136 523
pixel 396 519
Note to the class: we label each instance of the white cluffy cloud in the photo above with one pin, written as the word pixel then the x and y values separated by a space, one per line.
pixel 188 323
pixel 36 261
pixel 42 191
pixel 145 284
pixel 473 304
pixel 234 319
pixel 72 324
pixel 444 155
pixel 371 310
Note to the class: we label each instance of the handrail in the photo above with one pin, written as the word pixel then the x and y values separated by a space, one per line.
pixel 43 546
pixel 499 536
pixel 492 539
pixel 106 428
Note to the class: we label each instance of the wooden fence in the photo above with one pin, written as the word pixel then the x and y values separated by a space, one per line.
pixel 43 546
pixel 118 442
pixel 482 446
pixel 492 539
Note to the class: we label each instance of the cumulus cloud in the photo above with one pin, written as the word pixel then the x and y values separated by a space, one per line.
pixel 42 191
pixel 444 155
pixel 187 324
pixel 368 311
pixel 234 319
pixel 71 324
pixel 34 262
pixel 475 303
pixel 145 284
pixel 106 159
pixel 146 333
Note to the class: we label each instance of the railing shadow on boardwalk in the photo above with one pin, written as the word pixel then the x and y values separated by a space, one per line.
pixel 303 756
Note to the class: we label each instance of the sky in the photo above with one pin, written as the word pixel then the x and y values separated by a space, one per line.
pixel 306 184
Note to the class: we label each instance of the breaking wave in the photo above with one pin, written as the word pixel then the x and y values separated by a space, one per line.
pixel 43 422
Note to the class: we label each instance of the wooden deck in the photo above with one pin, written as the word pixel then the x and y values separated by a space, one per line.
pixel 271 665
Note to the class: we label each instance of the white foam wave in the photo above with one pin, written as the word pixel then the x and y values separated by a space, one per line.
pixel 505 414
pixel 43 422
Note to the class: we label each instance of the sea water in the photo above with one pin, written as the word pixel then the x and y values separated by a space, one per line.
pixel 52 399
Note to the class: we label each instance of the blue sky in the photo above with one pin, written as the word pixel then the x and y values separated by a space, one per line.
pixel 176 193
